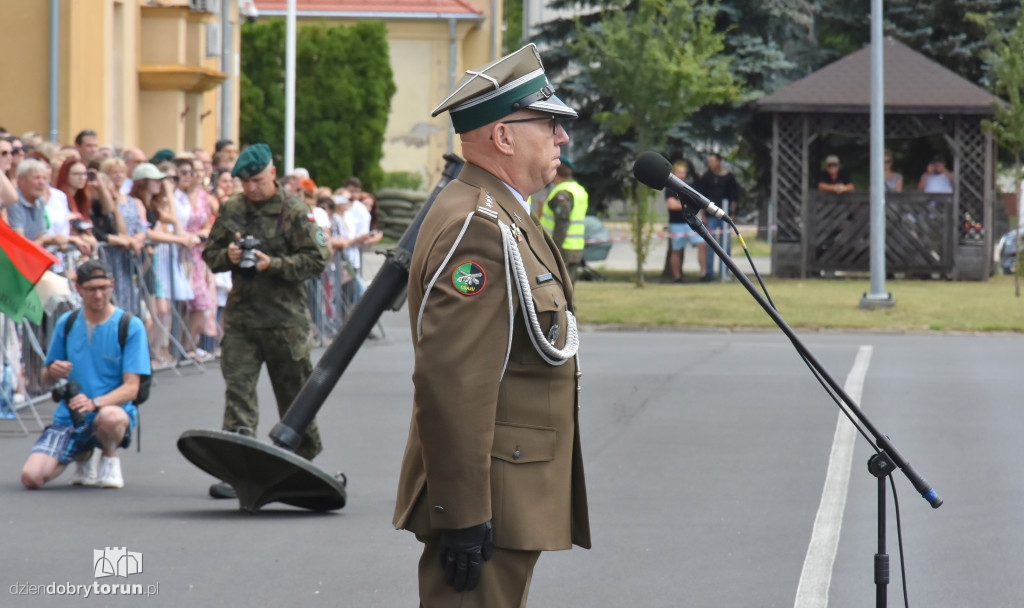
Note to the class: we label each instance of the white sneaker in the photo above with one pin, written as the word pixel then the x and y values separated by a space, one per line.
pixel 110 473
pixel 85 471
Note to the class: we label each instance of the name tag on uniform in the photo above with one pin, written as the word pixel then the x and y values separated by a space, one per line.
pixel 544 278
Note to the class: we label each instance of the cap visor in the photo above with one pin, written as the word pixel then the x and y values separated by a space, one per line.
pixel 554 105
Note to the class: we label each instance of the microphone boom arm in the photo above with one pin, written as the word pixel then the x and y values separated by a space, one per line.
pixel 881 442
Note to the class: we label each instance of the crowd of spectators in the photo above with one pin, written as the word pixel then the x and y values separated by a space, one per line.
pixel 147 216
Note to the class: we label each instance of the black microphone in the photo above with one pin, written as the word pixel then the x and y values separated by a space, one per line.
pixel 654 171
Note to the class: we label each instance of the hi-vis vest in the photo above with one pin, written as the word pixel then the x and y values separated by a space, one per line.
pixel 574 235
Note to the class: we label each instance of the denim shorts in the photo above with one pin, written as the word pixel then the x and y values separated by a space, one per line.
pixel 681 235
pixel 64 442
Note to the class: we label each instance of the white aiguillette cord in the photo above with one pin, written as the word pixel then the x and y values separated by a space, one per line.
pixel 545 349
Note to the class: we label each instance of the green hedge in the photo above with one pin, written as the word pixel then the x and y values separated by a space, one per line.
pixel 343 90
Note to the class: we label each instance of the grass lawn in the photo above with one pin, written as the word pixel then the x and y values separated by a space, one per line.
pixel 812 304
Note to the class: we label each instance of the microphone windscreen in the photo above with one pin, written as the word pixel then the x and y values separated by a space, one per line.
pixel 652 169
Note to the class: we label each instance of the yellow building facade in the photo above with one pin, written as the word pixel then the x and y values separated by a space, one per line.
pixel 141 74
pixel 432 42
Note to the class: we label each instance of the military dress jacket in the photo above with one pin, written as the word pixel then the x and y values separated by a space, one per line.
pixel 298 251
pixel 494 433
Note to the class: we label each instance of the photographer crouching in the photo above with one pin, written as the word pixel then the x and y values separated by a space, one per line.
pixel 268 240
pixel 96 376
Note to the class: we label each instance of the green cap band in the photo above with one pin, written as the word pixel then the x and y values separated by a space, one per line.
pixel 500 106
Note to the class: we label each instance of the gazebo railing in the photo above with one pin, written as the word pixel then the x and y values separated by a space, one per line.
pixel 920 232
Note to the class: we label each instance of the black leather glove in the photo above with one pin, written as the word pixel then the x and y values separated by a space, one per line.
pixel 463 552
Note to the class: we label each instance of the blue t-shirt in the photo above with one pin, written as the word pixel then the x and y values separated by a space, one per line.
pixel 97 362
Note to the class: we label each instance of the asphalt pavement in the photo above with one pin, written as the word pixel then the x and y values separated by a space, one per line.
pixel 708 455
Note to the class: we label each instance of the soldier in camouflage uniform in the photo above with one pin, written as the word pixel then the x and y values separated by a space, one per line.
pixel 266 319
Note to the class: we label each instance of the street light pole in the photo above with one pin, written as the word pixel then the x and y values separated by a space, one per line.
pixel 878 298
pixel 289 90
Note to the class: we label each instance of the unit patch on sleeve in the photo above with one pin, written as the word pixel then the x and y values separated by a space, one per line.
pixel 469 278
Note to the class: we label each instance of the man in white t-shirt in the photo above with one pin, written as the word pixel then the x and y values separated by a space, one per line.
pixel 357 219
pixel 132 157
pixel 347 239
pixel 937 178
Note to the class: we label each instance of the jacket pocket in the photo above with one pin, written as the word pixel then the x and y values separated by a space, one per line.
pixel 549 303
pixel 521 443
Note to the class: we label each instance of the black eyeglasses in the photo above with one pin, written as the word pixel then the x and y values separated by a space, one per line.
pixel 552 118
pixel 186 172
pixel 18 150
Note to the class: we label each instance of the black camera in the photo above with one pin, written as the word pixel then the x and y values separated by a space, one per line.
pixel 247 266
pixel 64 390
pixel 80 225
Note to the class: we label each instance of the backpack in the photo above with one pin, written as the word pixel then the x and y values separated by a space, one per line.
pixel 145 380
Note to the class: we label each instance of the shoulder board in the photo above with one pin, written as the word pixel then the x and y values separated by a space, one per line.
pixel 487 213
pixel 486 207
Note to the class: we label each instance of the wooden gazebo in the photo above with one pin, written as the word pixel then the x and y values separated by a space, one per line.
pixel 945 234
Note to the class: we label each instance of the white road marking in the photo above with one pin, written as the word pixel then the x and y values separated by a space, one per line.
pixel 816 576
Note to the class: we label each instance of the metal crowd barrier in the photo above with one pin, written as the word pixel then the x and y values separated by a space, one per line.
pixel 23 345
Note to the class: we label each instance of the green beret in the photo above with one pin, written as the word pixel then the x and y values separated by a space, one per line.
pixel 565 161
pixel 251 161
pixel 492 92
pixel 161 156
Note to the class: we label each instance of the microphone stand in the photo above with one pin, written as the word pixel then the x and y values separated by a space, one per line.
pixel 886 458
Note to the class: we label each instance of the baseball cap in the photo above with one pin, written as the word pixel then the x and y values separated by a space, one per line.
pixel 91 270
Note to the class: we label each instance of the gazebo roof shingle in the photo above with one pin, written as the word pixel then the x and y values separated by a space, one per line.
pixel 914 84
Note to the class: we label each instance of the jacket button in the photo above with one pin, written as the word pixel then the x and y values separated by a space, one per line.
pixel 438 509
pixel 516 455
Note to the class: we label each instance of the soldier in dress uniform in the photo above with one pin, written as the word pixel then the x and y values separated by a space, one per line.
pixel 492 473
pixel 266 318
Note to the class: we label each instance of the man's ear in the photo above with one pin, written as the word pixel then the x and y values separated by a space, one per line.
pixel 504 142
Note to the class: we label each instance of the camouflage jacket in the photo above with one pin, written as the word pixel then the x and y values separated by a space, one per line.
pixel 298 251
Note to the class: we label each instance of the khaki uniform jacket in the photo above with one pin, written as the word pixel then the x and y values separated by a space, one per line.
pixel 482 445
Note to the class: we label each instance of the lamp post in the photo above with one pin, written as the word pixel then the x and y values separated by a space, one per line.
pixel 878 298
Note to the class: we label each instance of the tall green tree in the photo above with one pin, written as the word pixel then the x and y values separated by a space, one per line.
pixel 512 38
pixel 343 90
pixel 770 44
pixel 940 30
pixel 261 111
pixel 1005 57
pixel 657 65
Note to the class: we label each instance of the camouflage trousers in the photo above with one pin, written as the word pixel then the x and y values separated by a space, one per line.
pixel 572 259
pixel 286 353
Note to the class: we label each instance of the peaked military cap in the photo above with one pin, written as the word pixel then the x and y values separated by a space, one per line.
pixel 251 161
pixel 514 82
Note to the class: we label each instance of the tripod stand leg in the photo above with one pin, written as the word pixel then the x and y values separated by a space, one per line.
pixel 881 465
pixel 881 558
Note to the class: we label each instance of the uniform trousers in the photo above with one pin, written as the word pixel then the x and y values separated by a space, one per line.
pixel 504 579
pixel 286 353
pixel 572 258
